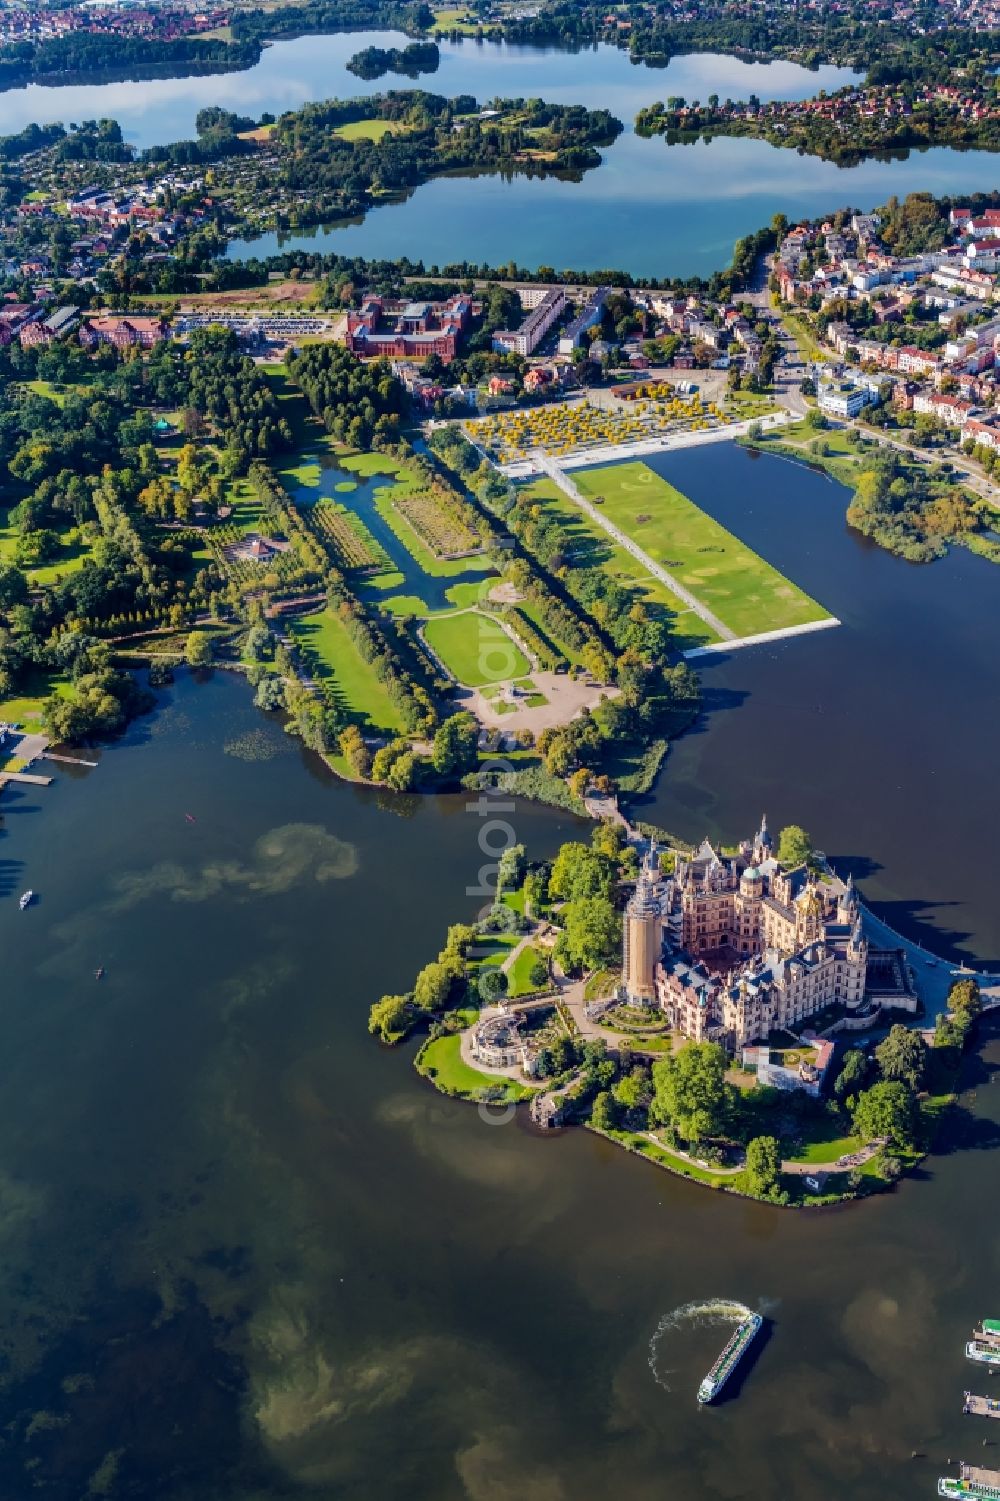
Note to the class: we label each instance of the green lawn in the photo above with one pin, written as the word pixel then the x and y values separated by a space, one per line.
pixel 331 653
pixel 368 130
pixel 518 976
pixel 441 1061
pixel 475 649
pixel 821 1152
pixel 590 547
pixel 455 18
pixel 737 585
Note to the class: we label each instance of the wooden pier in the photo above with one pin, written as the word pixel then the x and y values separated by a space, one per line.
pixel 981 1407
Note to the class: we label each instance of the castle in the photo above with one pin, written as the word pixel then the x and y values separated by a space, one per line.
pixel 733 947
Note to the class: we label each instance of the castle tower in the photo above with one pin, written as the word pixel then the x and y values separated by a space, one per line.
pixel 642 935
pixel 847 907
pixel 762 844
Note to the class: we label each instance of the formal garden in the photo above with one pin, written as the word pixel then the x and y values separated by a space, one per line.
pixel 568 427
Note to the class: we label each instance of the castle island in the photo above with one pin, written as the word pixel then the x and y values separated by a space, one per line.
pixel 702 1007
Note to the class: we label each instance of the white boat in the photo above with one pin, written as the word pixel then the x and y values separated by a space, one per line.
pixel 26 900
pixel 984 1354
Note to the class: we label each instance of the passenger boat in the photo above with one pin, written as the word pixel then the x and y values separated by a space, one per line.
pixel 26 900
pixel 732 1353
pixel 983 1352
pixel 971 1484
pixel 987 1332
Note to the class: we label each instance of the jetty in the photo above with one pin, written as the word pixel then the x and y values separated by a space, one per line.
pixel 981 1407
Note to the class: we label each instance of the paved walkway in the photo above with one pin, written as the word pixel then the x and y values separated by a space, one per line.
pixel 763 637
pixel 555 473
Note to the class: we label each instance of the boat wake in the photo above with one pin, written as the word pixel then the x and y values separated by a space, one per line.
pixel 708 1313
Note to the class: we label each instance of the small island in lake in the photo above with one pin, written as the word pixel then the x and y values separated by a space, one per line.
pixel 411 61
pixel 698 1007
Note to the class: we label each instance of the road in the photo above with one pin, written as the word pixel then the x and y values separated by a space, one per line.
pixel 790 369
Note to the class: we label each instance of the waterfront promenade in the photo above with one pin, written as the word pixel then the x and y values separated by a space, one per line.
pixel 610 453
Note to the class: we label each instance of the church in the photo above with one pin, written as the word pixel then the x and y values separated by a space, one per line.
pixel 731 947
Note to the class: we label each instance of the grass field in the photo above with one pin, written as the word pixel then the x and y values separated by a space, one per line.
pixel 441 1060
pixel 455 18
pixel 368 130
pixel 332 655
pixel 475 649
pixel 736 584
pixel 519 974
pixel 590 547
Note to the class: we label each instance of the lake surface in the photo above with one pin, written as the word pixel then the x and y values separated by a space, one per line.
pixel 880 736
pixel 291 73
pixel 249 1256
pixel 652 209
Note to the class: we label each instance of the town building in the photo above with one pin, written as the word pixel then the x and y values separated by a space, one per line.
pixel 123 331
pixel 843 399
pixel 412 330
pixel 543 309
pixel 589 315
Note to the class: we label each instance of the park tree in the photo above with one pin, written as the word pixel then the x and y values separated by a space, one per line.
pixel 198 649
pixel 454 748
pixel 13 587
pixel 579 871
pixel 608 838
pixel 354 749
pixel 853 1072
pixel 388 1018
pixel 603 1115
pixel 902 1055
pixel 633 1093
pixel 889 1110
pixel 763 1166
pixel 491 984
pixel 536 890
pixel 538 974
pixel 794 846
pixel 965 998
pixel 592 933
pixel 510 868
pixel 690 1090
pixel 432 987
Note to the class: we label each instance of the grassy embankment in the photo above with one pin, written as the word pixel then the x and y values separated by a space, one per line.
pixel 743 590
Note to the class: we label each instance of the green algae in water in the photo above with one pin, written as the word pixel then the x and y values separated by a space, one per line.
pixel 254 745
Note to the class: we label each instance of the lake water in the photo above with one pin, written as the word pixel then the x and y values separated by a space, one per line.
pixel 880 736
pixel 291 73
pixel 250 1256
pixel 651 209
